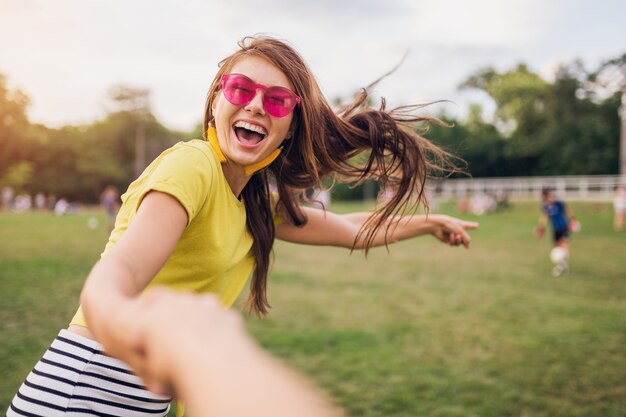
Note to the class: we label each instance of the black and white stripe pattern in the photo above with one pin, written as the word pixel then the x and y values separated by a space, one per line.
pixel 75 378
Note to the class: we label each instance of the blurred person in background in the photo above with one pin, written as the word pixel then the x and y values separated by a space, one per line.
pixel 7 197
pixel 110 201
pixel 562 222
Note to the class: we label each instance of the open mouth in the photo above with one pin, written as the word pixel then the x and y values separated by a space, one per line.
pixel 249 135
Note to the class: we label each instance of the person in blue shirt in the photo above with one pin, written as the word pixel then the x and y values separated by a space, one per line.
pixel 561 220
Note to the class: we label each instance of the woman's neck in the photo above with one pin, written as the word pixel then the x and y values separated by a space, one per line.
pixel 236 177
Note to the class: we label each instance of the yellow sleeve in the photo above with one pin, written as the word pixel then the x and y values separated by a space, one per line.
pixel 184 172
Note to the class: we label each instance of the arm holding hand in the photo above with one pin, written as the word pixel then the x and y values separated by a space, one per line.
pixel 198 350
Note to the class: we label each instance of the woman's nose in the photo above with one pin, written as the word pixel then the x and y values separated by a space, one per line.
pixel 256 104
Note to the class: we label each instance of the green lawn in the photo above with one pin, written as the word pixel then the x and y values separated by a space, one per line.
pixel 425 330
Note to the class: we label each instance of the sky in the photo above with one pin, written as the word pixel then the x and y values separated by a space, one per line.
pixel 66 54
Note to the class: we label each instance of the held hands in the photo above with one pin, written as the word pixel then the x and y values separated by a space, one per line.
pixel 119 332
pixel 452 231
pixel 197 350
pixel 175 329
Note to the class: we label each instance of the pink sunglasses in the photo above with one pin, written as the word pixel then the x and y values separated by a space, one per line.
pixel 240 90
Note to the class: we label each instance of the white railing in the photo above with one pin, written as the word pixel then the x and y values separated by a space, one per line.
pixel 590 187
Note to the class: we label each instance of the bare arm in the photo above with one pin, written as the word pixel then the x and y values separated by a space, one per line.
pixel 543 220
pixel 123 273
pixel 327 228
pixel 218 370
pixel 541 225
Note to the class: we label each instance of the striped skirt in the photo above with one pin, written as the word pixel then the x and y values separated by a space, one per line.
pixel 76 378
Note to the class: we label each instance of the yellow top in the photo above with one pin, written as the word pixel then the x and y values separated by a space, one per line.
pixel 214 253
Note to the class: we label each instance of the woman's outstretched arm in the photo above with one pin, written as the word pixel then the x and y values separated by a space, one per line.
pixel 328 228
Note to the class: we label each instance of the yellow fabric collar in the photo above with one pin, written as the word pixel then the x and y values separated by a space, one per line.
pixel 211 135
pixel 250 169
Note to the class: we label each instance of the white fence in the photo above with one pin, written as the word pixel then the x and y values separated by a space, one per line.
pixel 589 188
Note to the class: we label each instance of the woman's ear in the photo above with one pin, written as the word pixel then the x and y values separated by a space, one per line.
pixel 214 101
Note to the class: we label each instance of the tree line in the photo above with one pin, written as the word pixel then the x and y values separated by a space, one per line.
pixel 567 126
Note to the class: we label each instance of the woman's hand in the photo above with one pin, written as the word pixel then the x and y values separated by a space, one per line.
pixel 175 329
pixel 451 230
pixel 120 333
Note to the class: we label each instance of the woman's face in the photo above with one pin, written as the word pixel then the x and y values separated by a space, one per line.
pixel 247 133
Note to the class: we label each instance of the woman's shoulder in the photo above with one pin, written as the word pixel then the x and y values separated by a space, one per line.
pixel 185 160
pixel 190 153
pixel 196 147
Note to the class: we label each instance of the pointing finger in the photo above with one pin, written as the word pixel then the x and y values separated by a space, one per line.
pixel 469 225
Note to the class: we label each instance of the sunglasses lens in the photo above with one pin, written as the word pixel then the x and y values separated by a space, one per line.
pixel 278 101
pixel 240 90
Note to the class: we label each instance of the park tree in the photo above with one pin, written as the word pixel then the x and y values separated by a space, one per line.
pixel 611 78
pixel 475 140
pixel 134 101
pixel 580 136
pixel 110 154
pixel 18 176
pixel 484 146
pixel 13 125
pixel 519 95
pixel 550 128
pixel 138 133
pixel 77 162
pixel 56 160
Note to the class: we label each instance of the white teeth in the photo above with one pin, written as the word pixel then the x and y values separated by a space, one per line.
pixel 255 128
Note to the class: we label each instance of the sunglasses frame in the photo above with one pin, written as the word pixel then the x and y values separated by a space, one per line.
pixel 295 99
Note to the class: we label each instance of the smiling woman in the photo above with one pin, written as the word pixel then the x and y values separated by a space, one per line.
pixel 254 112
pixel 201 218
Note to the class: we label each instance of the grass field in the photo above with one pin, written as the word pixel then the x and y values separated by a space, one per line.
pixel 425 330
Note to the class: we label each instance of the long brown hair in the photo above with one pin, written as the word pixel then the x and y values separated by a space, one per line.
pixel 357 144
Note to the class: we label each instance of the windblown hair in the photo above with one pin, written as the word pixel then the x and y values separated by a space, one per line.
pixel 356 144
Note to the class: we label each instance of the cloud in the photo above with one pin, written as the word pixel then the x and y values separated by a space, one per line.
pixel 487 22
pixel 66 53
